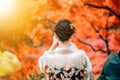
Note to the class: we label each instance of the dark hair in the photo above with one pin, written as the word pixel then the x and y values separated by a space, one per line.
pixel 64 30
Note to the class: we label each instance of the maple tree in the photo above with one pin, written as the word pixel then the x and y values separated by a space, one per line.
pixel 97 25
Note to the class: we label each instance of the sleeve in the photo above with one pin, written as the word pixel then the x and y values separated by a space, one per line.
pixel 107 68
pixel 42 62
pixel 104 71
pixel 87 65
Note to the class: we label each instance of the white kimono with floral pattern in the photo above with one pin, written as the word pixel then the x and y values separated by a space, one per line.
pixel 65 61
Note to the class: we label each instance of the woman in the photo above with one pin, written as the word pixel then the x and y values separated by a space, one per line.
pixel 9 63
pixel 65 61
pixel 111 69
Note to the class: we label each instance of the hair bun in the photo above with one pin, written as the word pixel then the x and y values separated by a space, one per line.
pixel 64 30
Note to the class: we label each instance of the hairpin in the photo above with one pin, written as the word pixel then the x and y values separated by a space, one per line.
pixel 71 26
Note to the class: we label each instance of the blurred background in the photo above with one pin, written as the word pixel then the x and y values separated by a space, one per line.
pixel 26 29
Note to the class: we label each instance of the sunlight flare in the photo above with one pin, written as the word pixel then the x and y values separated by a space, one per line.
pixel 7 7
pixel 14 15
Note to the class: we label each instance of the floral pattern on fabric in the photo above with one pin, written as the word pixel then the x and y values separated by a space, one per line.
pixel 64 73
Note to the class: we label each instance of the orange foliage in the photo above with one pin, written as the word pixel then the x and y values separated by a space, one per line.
pixel 29 44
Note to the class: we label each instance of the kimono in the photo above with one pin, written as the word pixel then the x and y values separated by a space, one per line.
pixel 9 63
pixel 68 63
pixel 111 69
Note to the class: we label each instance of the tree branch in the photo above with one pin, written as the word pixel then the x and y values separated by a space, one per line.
pixel 101 37
pixel 101 50
pixel 103 7
pixel 106 36
pixel 97 31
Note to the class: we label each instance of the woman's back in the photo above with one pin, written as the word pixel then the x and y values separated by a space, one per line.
pixel 66 62
pixel 61 57
pixel 69 57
